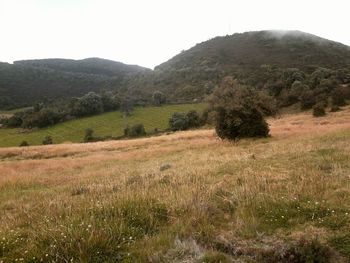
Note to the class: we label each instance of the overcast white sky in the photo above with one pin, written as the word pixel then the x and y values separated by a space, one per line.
pixel 149 32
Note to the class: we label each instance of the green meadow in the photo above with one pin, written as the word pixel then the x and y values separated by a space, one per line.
pixel 107 124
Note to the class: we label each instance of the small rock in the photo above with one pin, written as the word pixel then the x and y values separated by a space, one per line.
pixel 164 167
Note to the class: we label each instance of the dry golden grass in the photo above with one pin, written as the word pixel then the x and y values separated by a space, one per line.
pixel 83 202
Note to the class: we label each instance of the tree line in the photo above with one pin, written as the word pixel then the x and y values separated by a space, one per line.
pixel 41 115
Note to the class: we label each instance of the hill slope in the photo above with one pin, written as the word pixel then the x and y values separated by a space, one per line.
pixel 96 66
pixel 27 82
pixel 190 75
pixel 256 201
pixel 250 50
pixel 194 72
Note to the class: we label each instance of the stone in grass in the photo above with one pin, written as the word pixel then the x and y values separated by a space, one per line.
pixel 164 166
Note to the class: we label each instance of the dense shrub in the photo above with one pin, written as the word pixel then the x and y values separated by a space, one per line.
pixel 109 102
pixel 299 252
pixel 293 95
pixel 183 121
pixel 338 97
pixel 135 130
pixel 238 113
pixel 158 98
pixel 193 119
pixel 307 99
pixel 43 118
pixel 240 123
pixel 47 140
pixel 14 121
pixel 318 110
pixel 89 104
pixel 178 122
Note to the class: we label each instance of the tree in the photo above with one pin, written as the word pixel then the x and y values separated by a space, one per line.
pixel 89 104
pixel 109 101
pixel 238 113
pixel 294 93
pixel 158 98
pixel 126 106
pixel 318 75
pixel 338 97
pixel 307 99
pixel 43 118
pixel 193 119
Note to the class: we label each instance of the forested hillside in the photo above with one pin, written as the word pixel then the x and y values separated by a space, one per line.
pixel 96 66
pixel 28 82
pixel 263 59
pixel 245 56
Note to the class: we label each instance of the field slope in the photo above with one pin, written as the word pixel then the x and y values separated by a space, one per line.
pixel 107 124
pixel 266 200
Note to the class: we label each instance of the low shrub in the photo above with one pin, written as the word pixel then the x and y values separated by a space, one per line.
pixel 335 108
pixel 23 144
pixel 135 131
pixel 88 137
pixel 318 110
pixel 213 257
pixel 47 140
pixel 298 252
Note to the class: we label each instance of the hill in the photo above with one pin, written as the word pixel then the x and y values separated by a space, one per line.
pixel 278 199
pixel 250 50
pixel 192 74
pixel 196 71
pixel 106 124
pixel 95 66
pixel 27 82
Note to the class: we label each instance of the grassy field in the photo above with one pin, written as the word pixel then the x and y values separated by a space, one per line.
pixel 184 197
pixel 111 123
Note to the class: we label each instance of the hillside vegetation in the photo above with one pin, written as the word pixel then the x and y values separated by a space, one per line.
pixel 27 82
pixel 185 197
pixel 106 124
pixel 192 74
pixel 248 51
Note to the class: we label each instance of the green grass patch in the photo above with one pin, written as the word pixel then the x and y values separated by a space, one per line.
pixel 341 243
pixel 107 124
pixel 213 257
pixel 289 213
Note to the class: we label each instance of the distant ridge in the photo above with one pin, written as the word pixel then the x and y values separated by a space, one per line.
pixel 89 65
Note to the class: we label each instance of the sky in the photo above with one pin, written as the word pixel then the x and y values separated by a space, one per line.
pixel 149 32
